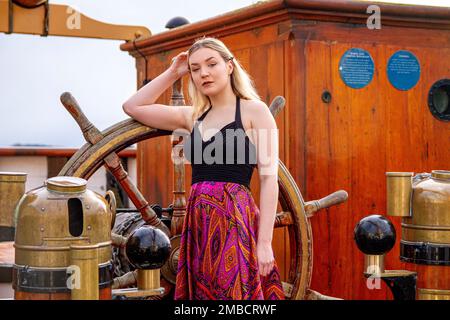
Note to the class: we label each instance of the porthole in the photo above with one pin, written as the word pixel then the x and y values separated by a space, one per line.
pixel 439 99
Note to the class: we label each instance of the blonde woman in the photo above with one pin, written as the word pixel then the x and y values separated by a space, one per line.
pixel 226 244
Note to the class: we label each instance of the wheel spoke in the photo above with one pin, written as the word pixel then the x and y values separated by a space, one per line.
pixel 287 289
pixel 112 163
pixel 283 219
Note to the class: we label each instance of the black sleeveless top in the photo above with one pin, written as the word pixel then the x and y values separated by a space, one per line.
pixel 228 156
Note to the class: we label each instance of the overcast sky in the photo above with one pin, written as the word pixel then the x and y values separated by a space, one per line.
pixel 35 70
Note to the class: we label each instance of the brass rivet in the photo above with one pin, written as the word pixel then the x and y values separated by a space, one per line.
pixel 42 209
pixel 89 227
pixel 42 229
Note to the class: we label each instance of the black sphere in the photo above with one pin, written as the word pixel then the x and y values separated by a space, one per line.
pixel 375 235
pixel 176 22
pixel 148 248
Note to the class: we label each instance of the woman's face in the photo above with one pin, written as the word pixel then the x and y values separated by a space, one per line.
pixel 210 73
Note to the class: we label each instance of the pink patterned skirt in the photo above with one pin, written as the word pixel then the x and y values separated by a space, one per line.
pixel 217 259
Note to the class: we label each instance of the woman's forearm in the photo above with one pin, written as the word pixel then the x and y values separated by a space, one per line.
pixel 149 93
pixel 268 208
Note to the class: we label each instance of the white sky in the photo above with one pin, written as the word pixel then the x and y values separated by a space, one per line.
pixel 35 70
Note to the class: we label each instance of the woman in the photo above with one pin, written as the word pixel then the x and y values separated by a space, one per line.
pixel 226 250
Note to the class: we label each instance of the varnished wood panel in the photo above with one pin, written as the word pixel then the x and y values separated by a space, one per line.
pixel 357 140
pixel 317 159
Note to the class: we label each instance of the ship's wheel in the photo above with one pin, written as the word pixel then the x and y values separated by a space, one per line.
pixel 102 148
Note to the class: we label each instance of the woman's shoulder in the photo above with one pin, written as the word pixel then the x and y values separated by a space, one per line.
pixel 252 103
pixel 257 112
pixel 255 108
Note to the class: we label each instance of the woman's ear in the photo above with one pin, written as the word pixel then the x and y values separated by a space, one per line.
pixel 230 67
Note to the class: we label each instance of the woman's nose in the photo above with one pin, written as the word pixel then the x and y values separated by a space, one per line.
pixel 204 72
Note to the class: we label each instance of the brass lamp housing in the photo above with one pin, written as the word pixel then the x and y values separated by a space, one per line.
pixel 424 204
pixel 430 204
pixel 47 215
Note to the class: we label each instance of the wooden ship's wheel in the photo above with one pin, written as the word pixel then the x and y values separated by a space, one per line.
pixel 101 150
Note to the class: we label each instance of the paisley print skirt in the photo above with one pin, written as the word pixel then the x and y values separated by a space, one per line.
pixel 217 258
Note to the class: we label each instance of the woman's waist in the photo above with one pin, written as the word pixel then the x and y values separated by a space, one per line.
pixel 215 187
pixel 227 173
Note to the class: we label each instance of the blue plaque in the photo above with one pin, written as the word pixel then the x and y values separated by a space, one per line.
pixel 403 70
pixel 356 68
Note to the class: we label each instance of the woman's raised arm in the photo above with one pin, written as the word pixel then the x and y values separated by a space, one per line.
pixel 141 106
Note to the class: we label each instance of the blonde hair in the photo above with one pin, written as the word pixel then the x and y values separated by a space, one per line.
pixel 241 83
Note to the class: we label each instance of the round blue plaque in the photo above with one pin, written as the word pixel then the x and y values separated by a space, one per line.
pixel 403 70
pixel 356 68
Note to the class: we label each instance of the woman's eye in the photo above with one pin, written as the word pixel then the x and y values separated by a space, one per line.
pixel 212 64
pixel 194 70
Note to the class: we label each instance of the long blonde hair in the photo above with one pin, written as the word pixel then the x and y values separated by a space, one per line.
pixel 241 83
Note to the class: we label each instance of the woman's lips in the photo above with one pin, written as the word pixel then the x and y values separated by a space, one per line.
pixel 205 84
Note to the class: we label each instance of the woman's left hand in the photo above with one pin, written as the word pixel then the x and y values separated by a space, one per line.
pixel 265 257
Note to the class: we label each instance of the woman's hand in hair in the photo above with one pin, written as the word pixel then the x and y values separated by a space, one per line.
pixel 180 64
